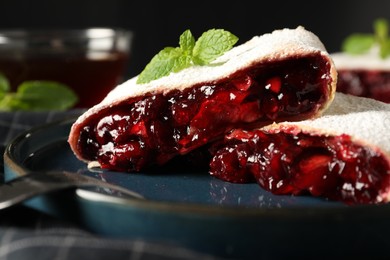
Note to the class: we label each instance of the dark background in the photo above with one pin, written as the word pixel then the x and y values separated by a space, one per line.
pixel 158 24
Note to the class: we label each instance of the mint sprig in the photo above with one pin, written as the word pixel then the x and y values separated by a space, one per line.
pixel 360 43
pixel 36 95
pixel 209 46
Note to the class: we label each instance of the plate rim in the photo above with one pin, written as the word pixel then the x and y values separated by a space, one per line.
pixel 180 207
pixel 232 232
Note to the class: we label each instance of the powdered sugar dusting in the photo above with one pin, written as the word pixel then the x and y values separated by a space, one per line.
pixel 365 119
pixel 367 61
pixel 271 47
pixel 276 45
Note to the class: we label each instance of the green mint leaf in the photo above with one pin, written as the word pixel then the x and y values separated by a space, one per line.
pixel 5 102
pixel 381 29
pixel 36 95
pixel 361 43
pixel 381 34
pixel 9 103
pixel 5 96
pixel 207 48
pixel 4 84
pixel 166 61
pixel 385 49
pixel 211 45
pixel 187 42
pixel 358 43
pixel 42 95
pixel 4 91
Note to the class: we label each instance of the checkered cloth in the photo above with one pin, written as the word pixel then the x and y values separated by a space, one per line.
pixel 28 234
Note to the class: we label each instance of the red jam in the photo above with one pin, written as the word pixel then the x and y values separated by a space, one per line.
pixel 332 167
pixel 365 83
pixel 153 129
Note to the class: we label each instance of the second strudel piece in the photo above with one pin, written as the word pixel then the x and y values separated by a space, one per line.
pixel 343 155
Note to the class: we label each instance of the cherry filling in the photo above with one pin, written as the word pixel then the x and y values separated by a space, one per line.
pixel 333 167
pixel 153 129
pixel 365 83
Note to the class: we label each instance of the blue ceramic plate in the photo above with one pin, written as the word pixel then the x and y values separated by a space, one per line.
pixel 197 211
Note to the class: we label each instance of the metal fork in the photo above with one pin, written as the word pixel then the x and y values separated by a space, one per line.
pixel 33 184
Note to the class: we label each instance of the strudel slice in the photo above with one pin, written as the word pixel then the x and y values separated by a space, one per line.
pixel 343 155
pixel 364 75
pixel 284 75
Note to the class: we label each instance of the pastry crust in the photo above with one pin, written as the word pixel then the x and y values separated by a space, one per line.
pixel 278 45
pixel 343 155
pixel 366 120
pixel 367 61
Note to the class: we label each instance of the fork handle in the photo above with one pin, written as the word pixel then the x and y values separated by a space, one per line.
pixel 33 184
